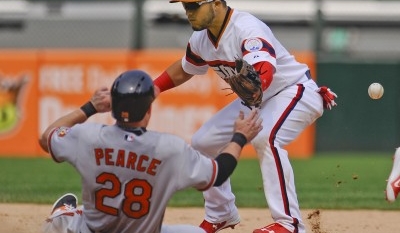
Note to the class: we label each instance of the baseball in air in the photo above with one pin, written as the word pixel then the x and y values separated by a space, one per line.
pixel 375 91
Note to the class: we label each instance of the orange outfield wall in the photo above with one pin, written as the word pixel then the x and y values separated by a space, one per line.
pixel 57 81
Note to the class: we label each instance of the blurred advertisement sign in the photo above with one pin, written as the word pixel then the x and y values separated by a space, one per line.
pixel 37 87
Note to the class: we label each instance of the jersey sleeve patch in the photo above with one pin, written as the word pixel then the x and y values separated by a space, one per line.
pixel 257 44
pixel 253 44
pixel 62 131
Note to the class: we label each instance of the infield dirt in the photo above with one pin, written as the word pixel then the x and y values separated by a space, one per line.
pixel 28 218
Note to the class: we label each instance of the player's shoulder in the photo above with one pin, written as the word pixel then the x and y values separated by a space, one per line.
pixel 89 125
pixel 87 128
pixel 239 16
pixel 166 137
pixel 197 36
pixel 82 131
pixel 167 140
pixel 242 21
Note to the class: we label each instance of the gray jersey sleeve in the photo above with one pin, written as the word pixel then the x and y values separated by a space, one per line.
pixel 193 169
pixel 64 142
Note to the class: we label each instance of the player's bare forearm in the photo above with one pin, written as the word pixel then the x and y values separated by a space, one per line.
pixel 247 127
pixel 245 131
pixel 173 76
pixel 177 73
pixel 99 102
pixel 233 149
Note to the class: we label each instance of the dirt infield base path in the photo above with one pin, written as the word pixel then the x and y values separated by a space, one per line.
pixel 27 218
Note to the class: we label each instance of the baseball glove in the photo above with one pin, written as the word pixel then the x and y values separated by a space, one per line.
pixel 246 84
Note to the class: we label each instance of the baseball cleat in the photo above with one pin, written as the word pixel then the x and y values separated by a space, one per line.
pixel 272 228
pixel 67 201
pixel 215 227
pixel 393 184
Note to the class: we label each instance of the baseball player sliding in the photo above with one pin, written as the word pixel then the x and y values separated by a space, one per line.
pixel 290 101
pixel 129 173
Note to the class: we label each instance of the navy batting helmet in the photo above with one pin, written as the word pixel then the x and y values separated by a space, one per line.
pixel 131 96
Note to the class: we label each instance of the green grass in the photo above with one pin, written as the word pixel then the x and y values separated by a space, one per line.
pixel 327 181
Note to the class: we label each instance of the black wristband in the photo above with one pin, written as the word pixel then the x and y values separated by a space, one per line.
pixel 89 109
pixel 240 139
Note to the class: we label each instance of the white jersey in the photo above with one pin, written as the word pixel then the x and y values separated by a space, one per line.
pixel 127 180
pixel 242 36
pixel 290 104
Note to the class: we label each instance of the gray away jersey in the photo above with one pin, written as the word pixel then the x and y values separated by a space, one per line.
pixel 127 180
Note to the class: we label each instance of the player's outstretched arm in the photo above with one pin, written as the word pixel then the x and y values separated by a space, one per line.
pixel 173 76
pixel 99 102
pixel 245 130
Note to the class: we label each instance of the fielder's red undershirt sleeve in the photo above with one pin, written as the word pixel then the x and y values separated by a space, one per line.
pixel 265 70
pixel 164 82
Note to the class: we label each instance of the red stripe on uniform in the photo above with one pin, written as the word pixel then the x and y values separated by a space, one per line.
pixel 217 63
pixel 213 177
pixel 49 144
pixel 194 58
pixel 275 153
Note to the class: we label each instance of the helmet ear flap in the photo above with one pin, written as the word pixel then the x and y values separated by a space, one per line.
pixel 132 94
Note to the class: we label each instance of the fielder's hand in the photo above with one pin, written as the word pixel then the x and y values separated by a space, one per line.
pixel 328 97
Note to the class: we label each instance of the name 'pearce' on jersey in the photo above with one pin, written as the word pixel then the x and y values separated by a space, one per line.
pixel 126 159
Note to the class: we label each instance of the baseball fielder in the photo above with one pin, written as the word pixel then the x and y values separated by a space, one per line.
pixel 291 102
pixel 393 182
pixel 129 173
